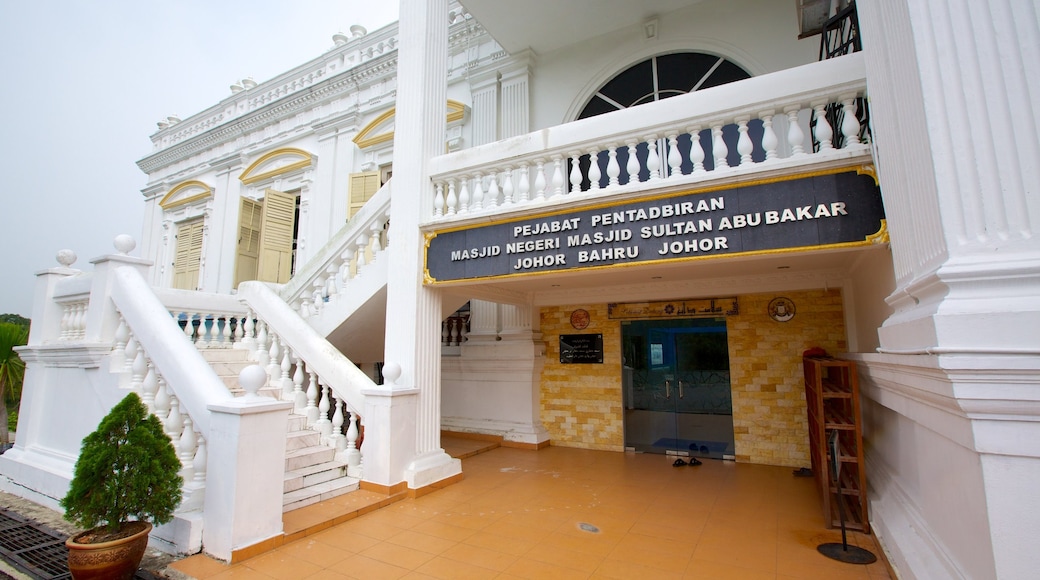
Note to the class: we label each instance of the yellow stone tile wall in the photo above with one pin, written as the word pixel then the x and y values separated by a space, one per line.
pixel 769 424
pixel 581 403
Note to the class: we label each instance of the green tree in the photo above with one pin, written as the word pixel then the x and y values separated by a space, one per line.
pixel 126 468
pixel 12 369
pixel 15 319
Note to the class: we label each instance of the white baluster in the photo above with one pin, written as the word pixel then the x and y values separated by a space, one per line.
pixel 344 269
pixel 274 360
pixel 312 398
pixel 199 462
pixel 507 186
pixel 186 449
pixel 174 423
pixel 575 175
pixel 305 307
pixel 524 187
pixel 337 440
pixel 128 364
pixel 299 396
pixel 225 332
pixel 189 329
pixel 138 370
pixel 493 191
pixel 249 331
pixel 240 331
pixel 557 176
pixel 149 387
pixel 353 455
pixel 331 287
pixel 823 132
pixel 362 246
pixel 322 424
pixel 696 149
pixel 318 296
pixel 161 406
pixel 464 198
pixel 261 344
pixel 376 233
pixel 795 136
pixel 850 125
pixel 438 201
pixel 119 339
pixel 653 160
pixel 453 200
pixel 66 322
pixel 744 145
pixel 613 169
pixel 539 180
pixel 478 191
pixel 594 172
pixel 287 385
pixel 632 166
pixel 444 332
pixel 719 150
pixel 769 140
pixel 674 157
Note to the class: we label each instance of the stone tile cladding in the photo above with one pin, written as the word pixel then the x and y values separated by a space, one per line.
pixel 581 403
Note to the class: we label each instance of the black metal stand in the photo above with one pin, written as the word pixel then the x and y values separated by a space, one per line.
pixel 842 552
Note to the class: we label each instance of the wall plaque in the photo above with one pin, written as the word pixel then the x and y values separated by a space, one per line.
pixel 581 349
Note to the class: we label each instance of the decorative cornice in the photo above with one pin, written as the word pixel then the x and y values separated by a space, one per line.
pixel 329 89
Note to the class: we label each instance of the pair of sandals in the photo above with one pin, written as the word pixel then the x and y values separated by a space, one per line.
pixel 679 462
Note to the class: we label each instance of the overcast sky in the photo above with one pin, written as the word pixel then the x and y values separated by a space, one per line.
pixel 83 84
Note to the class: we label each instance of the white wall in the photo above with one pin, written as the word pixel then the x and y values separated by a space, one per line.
pixel 759 35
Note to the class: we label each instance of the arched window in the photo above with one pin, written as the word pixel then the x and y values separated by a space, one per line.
pixel 661 77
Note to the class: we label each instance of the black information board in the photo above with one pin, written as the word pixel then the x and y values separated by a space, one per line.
pixel 581 349
pixel 809 212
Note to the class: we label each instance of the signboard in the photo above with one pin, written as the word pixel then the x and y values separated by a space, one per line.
pixel 834 209
pixel 674 308
pixel 581 348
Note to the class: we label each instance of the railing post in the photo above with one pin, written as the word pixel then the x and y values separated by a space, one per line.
pixel 246 454
pixel 102 317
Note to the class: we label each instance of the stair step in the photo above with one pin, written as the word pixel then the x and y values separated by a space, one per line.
pixel 307 456
pixel 297 422
pixel 313 475
pixel 302 439
pixel 216 355
pixel 320 492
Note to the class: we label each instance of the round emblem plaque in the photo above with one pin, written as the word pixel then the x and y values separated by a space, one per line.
pixel 781 309
pixel 580 319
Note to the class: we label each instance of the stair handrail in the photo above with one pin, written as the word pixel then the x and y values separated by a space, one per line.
pixel 336 371
pixel 334 259
pixel 187 373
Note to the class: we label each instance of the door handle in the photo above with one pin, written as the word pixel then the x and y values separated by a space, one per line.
pixel 667 389
pixel 680 389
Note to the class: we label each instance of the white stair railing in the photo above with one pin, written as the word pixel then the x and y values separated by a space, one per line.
pixel 326 278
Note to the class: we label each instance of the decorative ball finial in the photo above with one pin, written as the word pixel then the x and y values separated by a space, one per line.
pixel 124 243
pixel 391 372
pixel 66 258
pixel 251 379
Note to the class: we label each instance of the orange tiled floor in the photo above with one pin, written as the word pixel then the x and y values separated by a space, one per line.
pixel 518 514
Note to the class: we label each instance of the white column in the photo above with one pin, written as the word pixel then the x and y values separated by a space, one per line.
pixel 226 196
pixel 483 321
pixel 951 398
pixel 484 118
pixel 516 322
pixel 516 108
pixel 413 317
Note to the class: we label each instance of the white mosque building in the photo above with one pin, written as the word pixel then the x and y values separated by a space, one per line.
pixel 538 220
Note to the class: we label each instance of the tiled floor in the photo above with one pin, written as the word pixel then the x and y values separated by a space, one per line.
pixel 567 513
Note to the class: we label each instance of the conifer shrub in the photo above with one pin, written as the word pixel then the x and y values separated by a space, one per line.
pixel 127 469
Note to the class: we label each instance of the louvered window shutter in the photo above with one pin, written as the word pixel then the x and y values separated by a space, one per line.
pixel 362 187
pixel 188 255
pixel 276 237
pixel 248 248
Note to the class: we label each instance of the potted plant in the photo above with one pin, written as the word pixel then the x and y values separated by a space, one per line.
pixel 126 478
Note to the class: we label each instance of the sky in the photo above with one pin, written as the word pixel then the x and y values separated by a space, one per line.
pixel 83 85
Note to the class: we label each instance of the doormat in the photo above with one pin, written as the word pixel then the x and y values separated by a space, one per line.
pixel 715 447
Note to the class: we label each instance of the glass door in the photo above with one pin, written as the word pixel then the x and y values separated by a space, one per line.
pixel 676 388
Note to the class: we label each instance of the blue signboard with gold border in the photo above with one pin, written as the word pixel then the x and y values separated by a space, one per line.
pixel 836 208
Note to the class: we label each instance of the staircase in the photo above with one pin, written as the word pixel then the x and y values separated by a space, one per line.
pixel 312 472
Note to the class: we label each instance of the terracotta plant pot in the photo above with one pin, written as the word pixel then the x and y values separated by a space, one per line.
pixel 112 560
